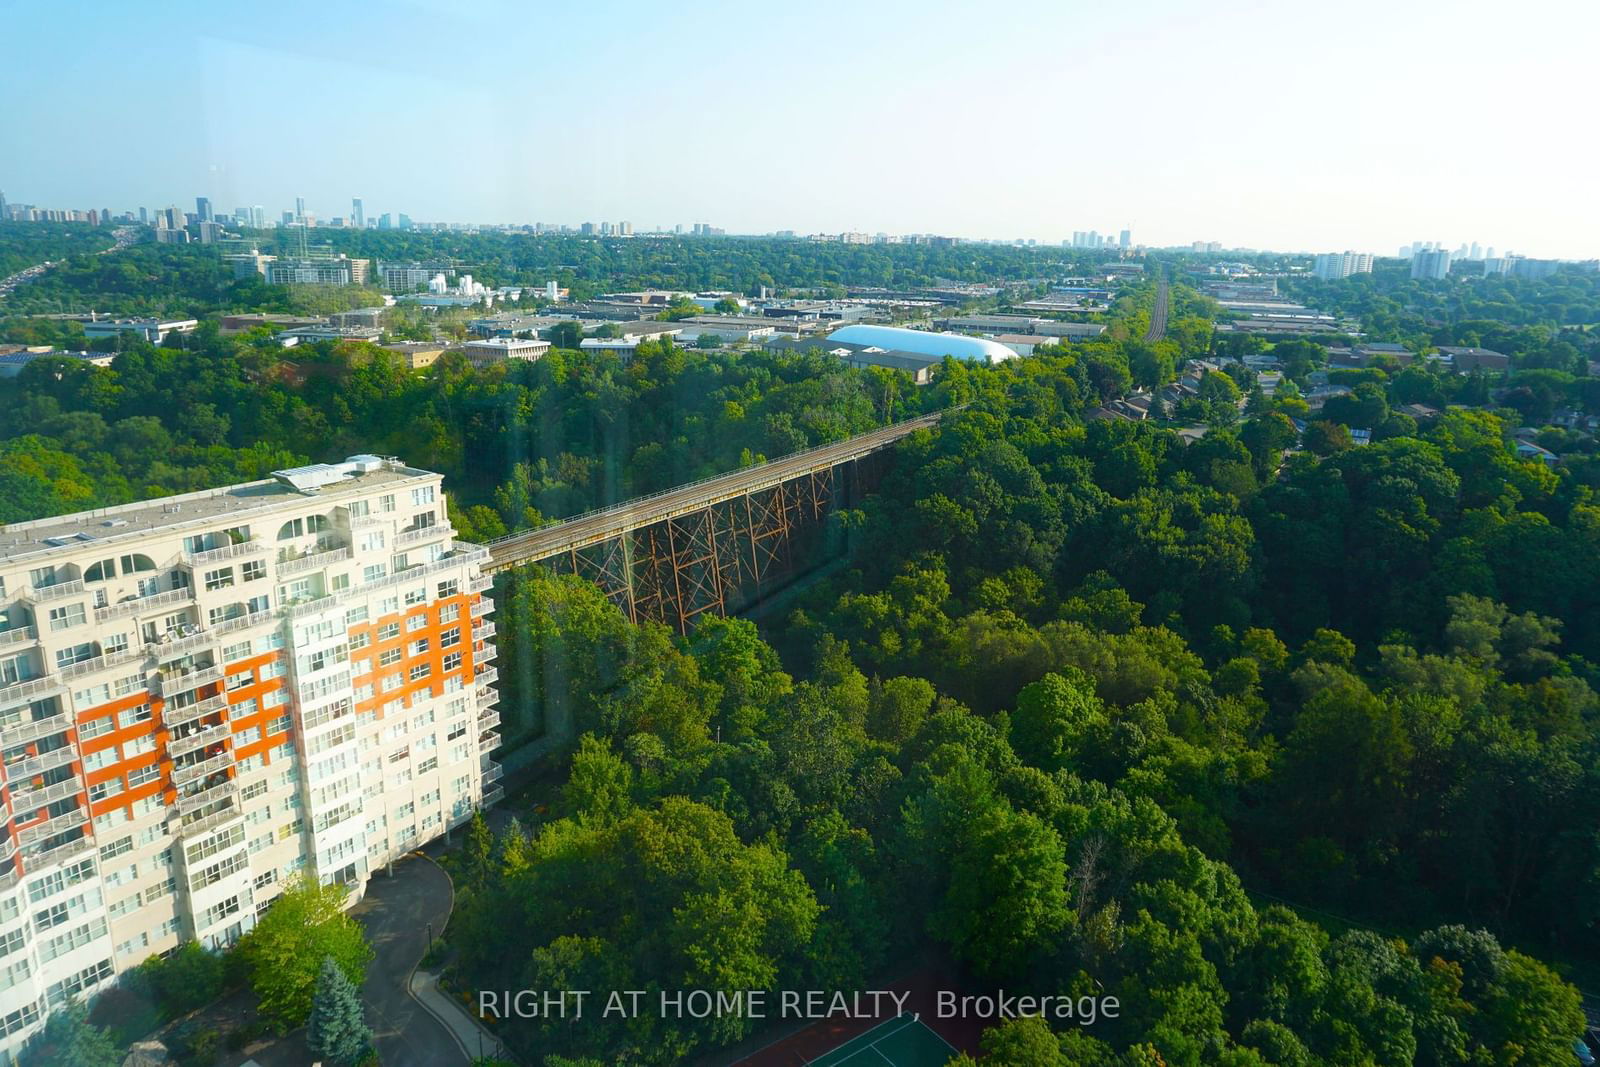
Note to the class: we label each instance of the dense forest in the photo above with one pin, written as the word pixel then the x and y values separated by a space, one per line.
pixel 23 244
pixel 1088 708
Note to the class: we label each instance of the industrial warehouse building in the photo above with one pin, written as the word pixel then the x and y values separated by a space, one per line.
pixel 922 342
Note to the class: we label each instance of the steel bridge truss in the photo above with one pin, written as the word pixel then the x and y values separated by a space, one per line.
pixel 722 557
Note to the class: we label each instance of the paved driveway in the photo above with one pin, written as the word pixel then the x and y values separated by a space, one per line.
pixel 398 914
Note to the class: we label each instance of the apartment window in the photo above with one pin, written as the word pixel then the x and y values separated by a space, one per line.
pixel 400 754
pixel 449 589
pixel 419 647
pixel 128 685
pixel 456 730
pixel 114 644
pixel 143 775
pixel 360 640
pixel 373 573
pixel 415 597
pixel 450 613
pixel 134 716
pixel 240 680
pixel 66 657
pixel 363 693
pixel 389 657
pixel 386 502
pixel 220 578
pixel 421 496
pixel 99 761
pixel 109 788
pixel 88 698
pixel 253 790
pixel 450 637
pixel 391 683
pixel 138 746
pixel 359 509
pixel 355 615
pixel 280 725
pixel 452 662
pixel 339 583
pixel 247 737
pixel 68 988
pixel 134 944
pixel 388 605
pixel 372 541
pixel 63 618
pixel 429 764
pixel 117 848
pixel 388 631
pixel 253 570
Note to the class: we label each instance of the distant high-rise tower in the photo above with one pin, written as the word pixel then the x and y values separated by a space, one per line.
pixel 1125 239
pixel 1477 250
pixel 299 208
pixel 144 216
pixel 1430 263
pixel 2 205
pixel 202 208
pixel 358 217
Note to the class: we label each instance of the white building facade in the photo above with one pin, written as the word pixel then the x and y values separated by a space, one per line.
pixel 204 697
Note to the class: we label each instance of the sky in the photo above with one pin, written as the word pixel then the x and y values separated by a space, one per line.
pixel 1257 123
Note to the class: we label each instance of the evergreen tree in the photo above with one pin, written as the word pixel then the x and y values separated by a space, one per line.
pixel 336 1031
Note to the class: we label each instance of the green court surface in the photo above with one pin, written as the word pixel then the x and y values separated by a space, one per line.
pixel 900 1042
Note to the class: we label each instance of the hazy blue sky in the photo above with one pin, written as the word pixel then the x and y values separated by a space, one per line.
pixel 1357 124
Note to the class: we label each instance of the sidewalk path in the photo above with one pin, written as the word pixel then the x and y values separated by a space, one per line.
pixel 468 1032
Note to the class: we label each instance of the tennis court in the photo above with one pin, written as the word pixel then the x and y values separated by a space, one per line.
pixel 901 1042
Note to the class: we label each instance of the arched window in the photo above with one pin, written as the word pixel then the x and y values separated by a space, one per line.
pixel 103 571
pixel 137 563
pixel 292 529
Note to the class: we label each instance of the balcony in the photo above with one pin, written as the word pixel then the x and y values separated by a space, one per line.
pixel 244 622
pixel 488 698
pixel 174 642
pixel 37 728
pixel 139 604
pixel 171 716
pixel 105 662
pixel 207 823
pixel 30 690
pixel 425 533
pixel 211 735
pixel 18 635
pixel 171 683
pixel 484 631
pixel 49 761
pixel 492 773
pixel 491 797
pixel 488 742
pixel 50 828
pixel 481 607
pixel 61 853
pixel 190 772
pixel 481 583
pixel 58 591
pixel 213 793
pixel 462 552
pixel 216 555
pixel 486 676
pixel 32 799
pixel 488 720
pixel 312 562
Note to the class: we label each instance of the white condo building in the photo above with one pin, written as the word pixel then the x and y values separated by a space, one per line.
pixel 203 697
pixel 1331 266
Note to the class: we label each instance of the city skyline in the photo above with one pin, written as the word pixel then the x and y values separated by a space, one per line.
pixel 1233 124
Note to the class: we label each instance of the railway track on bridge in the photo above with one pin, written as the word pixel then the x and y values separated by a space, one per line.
pixel 611 523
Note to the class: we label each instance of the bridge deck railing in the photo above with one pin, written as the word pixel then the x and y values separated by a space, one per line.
pixel 634 501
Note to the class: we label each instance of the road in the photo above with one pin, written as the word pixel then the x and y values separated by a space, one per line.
pixel 123 237
pixel 607 523
pixel 398 914
pixel 1158 314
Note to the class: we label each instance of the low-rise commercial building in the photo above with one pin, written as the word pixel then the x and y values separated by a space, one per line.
pixel 153 330
pixel 417 354
pixel 490 350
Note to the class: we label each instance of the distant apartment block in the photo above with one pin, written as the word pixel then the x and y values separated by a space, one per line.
pixel 205 697
pixel 335 270
pixel 1331 266
pixel 1433 264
